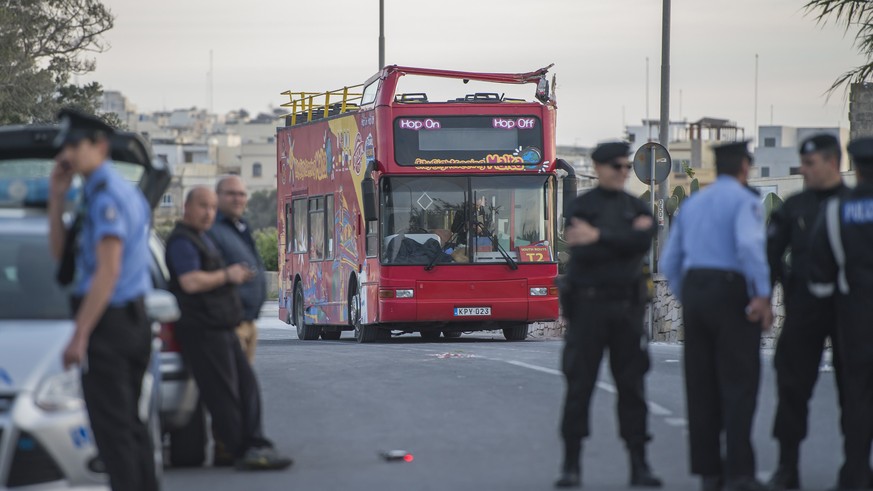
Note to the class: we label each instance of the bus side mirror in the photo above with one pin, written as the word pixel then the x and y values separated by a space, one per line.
pixel 569 192
pixel 368 193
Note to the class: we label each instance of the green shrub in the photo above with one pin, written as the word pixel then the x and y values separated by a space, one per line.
pixel 267 242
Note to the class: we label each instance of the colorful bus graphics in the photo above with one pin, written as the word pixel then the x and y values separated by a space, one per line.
pixel 401 214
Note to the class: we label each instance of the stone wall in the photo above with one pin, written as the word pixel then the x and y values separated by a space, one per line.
pixel 668 316
pixel 861 110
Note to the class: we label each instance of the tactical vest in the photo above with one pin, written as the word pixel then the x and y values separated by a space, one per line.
pixel 220 308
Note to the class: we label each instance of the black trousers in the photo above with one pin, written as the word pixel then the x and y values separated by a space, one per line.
pixel 595 325
pixel 855 337
pixel 809 322
pixel 227 386
pixel 722 372
pixel 118 356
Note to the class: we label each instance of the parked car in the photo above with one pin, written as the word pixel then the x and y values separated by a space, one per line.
pixel 45 437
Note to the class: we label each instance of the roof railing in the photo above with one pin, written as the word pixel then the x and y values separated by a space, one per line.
pixel 317 105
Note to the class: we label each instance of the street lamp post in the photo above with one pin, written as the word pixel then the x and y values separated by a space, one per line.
pixel 664 125
pixel 381 34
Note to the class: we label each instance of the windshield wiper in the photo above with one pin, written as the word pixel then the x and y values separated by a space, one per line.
pixel 491 235
pixel 437 255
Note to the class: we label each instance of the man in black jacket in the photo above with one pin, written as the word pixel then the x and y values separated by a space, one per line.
pixel 609 232
pixel 841 265
pixel 809 321
pixel 233 237
pixel 206 291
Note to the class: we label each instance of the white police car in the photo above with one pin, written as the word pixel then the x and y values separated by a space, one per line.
pixel 45 438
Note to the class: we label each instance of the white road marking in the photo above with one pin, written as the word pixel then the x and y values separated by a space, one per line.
pixel 538 368
pixel 658 410
pixel 654 408
pixel 679 422
pixel 605 386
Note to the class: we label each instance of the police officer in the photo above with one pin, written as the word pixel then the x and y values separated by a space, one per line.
pixel 841 265
pixel 211 310
pixel 609 232
pixel 809 321
pixel 112 339
pixel 715 263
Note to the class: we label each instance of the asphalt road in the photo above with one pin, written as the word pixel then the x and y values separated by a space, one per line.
pixel 477 413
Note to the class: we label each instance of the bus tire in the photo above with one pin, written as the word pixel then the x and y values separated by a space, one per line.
pixel 363 333
pixel 515 333
pixel 304 332
pixel 430 335
pixel 451 334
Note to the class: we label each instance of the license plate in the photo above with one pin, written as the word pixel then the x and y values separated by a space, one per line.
pixel 472 311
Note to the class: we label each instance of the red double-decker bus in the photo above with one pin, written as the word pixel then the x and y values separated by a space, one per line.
pixel 398 212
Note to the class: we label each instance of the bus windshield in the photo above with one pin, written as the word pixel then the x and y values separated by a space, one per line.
pixel 466 219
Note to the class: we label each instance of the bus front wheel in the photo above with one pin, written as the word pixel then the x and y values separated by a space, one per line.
pixel 304 332
pixel 515 333
pixel 363 333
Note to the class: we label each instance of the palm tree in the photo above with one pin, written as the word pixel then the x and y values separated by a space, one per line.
pixel 851 15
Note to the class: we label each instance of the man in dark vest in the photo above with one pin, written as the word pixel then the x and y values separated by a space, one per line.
pixel 809 321
pixel 232 235
pixel 208 299
pixel 841 265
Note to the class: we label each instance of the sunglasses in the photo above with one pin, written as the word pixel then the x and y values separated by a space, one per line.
pixel 619 166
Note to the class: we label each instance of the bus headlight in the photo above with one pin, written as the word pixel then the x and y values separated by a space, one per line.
pixel 60 392
pixel 405 293
pixel 540 291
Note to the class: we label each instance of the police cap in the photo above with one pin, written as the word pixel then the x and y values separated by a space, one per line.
pixel 733 150
pixel 605 152
pixel 817 143
pixel 76 126
pixel 861 150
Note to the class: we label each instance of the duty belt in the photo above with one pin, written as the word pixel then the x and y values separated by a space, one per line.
pixel 610 292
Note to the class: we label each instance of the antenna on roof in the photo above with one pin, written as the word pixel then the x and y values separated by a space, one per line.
pixel 209 86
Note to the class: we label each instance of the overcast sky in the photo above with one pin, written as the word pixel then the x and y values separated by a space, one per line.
pixel 159 55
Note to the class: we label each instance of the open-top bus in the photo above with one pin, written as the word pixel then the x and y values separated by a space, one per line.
pixel 398 212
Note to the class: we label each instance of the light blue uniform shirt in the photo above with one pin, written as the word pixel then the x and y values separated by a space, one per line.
pixel 120 210
pixel 722 227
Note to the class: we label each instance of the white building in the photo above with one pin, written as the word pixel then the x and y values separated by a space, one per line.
pixel 777 152
pixel 114 101
pixel 177 153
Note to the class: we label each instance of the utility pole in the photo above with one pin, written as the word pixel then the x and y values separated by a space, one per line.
pixel 210 82
pixel 381 34
pixel 664 125
pixel 648 120
pixel 755 119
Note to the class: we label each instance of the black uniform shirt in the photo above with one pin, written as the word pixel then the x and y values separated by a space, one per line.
pixel 856 232
pixel 617 258
pixel 791 228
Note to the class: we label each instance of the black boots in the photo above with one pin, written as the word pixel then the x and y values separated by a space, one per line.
pixel 711 483
pixel 569 478
pixel 571 471
pixel 641 474
pixel 787 475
